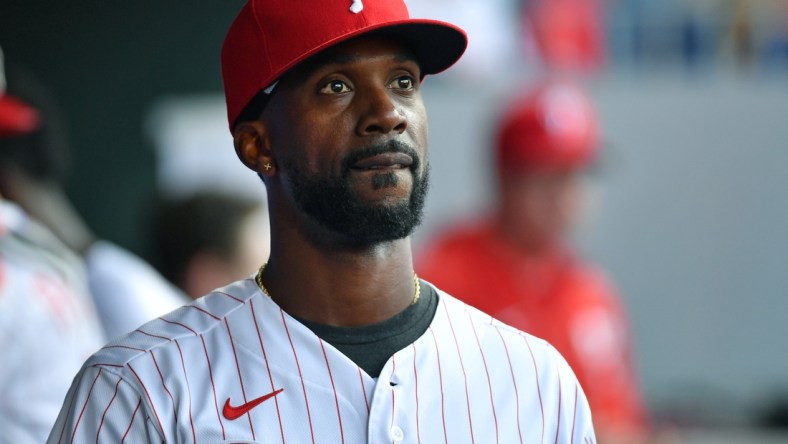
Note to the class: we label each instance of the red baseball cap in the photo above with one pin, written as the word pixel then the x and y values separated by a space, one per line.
pixel 269 37
pixel 553 126
pixel 16 117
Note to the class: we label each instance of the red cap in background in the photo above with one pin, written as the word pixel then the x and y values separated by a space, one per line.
pixel 269 37
pixel 16 117
pixel 553 126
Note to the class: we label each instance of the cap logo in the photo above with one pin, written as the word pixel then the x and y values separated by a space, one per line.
pixel 356 7
pixel 566 113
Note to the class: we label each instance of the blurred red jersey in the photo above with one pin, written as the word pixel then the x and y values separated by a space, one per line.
pixel 558 298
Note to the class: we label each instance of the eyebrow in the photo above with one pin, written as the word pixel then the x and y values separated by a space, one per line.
pixel 321 61
pixel 340 59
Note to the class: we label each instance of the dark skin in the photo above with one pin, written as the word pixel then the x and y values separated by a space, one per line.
pixel 364 91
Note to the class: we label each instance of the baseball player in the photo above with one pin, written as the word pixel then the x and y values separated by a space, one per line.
pixel 335 339
pixel 126 290
pixel 545 142
pixel 48 325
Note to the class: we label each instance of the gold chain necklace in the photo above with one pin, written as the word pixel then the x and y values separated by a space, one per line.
pixel 259 279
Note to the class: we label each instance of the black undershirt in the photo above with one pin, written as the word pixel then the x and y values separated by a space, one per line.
pixel 372 345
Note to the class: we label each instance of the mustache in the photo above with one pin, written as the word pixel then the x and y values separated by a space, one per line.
pixel 391 146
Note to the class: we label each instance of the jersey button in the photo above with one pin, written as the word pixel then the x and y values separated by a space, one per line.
pixel 396 434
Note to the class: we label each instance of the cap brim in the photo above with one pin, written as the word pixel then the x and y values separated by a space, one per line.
pixel 437 45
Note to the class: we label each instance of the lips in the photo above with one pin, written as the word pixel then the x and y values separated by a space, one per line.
pixel 384 161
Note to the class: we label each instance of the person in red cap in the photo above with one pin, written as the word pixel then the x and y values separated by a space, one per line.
pixel 335 339
pixel 517 266
pixel 48 323
pixel 34 169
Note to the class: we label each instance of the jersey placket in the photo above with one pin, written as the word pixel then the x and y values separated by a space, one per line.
pixel 392 414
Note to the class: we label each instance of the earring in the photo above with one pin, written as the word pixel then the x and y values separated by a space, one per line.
pixel 267 166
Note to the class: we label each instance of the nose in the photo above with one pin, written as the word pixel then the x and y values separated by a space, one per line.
pixel 380 115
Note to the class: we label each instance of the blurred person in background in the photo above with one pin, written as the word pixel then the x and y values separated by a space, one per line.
pixel 48 325
pixel 33 167
pixel 568 34
pixel 517 265
pixel 209 240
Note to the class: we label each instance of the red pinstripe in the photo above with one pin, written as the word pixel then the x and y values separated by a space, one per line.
pixel 333 387
pixel 232 297
pixel 70 407
pixel 145 388
pixel 300 375
pixel 462 366
pixel 133 414
pixel 104 415
pixel 514 383
pixel 416 379
pixel 560 402
pixel 487 372
pixel 268 368
pixel 201 310
pixel 108 365
pixel 189 389
pixel 152 335
pixel 124 347
pixel 240 378
pixel 574 416
pixel 440 382
pixel 81 412
pixel 179 324
pixel 213 387
pixel 161 376
pixel 538 388
pixel 363 388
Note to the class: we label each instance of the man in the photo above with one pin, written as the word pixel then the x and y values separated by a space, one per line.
pixel 48 325
pixel 517 266
pixel 126 290
pixel 335 339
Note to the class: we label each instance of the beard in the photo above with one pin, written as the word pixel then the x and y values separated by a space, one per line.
pixel 334 205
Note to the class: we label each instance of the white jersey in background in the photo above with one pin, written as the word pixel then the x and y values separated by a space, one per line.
pixel 48 326
pixel 127 291
pixel 233 367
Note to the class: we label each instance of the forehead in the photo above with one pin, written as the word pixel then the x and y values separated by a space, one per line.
pixel 351 52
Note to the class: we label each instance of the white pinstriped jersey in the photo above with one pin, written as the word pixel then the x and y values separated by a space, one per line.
pixel 234 368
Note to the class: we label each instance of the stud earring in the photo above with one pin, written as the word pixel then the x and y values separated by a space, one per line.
pixel 267 166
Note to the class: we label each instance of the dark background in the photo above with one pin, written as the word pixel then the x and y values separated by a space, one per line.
pixel 106 62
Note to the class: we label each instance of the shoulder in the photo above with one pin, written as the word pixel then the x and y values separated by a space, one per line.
pixel 493 334
pixel 185 327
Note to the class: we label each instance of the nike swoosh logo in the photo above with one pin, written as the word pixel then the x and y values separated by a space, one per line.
pixel 232 413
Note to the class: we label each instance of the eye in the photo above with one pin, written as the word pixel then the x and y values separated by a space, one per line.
pixel 403 83
pixel 335 87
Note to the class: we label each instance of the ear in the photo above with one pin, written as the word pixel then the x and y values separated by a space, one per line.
pixel 253 147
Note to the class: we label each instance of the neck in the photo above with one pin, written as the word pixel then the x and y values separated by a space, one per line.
pixel 341 287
